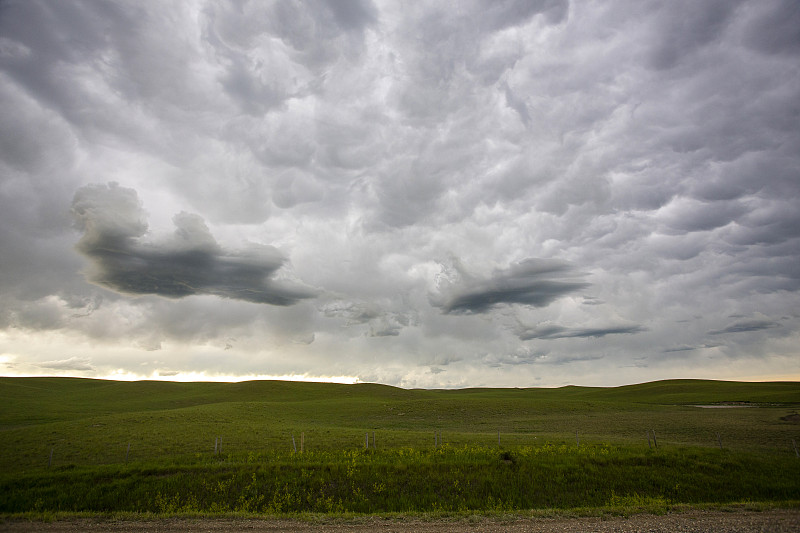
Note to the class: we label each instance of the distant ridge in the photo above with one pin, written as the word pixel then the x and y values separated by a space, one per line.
pixel 54 398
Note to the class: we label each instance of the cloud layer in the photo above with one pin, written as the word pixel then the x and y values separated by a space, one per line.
pixel 189 263
pixel 489 193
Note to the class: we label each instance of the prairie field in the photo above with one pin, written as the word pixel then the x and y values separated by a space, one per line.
pixel 269 447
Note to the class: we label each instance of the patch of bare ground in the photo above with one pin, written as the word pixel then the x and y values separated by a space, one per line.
pixel 772 520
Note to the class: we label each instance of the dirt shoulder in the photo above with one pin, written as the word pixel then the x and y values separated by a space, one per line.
pixel 773 520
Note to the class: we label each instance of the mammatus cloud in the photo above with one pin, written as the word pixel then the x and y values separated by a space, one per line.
pixel 191 263
pixel 369 142
pixel 532 282
pixel 561 332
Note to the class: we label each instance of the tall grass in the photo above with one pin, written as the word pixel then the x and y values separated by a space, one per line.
pixel 449 478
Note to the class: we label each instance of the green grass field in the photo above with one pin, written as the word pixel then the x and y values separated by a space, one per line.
pixel 76 445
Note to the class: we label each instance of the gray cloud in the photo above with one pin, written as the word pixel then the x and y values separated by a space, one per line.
pixel 380 322
pixel 775 28
pixel 519 357
pixel 650 148
pixel 192 263
pixel 686 348
pixel 386 328
pixel 745 326
pixel 353 313
pixel 685 30
pixel 559 359
pixel 690 216
pixel 352 14
pixel 554 331
pixel 681 349
pixel 532 282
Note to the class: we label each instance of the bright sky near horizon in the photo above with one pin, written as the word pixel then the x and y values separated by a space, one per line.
pixel 421 194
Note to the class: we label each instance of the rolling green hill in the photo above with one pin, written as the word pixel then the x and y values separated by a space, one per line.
pixel 32 400
pixel 89 420
pixel 58 431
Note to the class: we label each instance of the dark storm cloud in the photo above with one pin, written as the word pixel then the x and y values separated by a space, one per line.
pixel 686 29
pixel 86 32
pixel 192 263
pixel 687 348
pixel 554 331
pixel 745 326
pixel 776 28
pixel 532 282
pixel 681 349
pixel 499 14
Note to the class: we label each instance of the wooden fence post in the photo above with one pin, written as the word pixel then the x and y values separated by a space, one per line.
pixel 794 444
pixel 655 442
pixel 127 452
pixel 294 444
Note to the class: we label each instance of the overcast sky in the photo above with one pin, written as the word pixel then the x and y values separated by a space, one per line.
pixel 422 194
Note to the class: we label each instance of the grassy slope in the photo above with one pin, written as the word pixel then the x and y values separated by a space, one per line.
pixel 91 420
pixel 34 400
pixel 89 423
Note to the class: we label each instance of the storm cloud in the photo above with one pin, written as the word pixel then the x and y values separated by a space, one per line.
pixel 532 282
pixel 493 192
pixel 553 331
pixel 190 263
pixel 745 326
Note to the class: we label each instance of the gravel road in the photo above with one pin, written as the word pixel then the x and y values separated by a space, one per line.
pixel 772 521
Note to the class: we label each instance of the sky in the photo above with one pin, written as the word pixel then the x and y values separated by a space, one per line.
pixel 422 194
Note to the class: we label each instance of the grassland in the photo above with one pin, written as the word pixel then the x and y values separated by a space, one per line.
pixel 75 445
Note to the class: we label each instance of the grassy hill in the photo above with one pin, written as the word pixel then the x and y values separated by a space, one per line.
pixel 43 413
pixel 59 431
